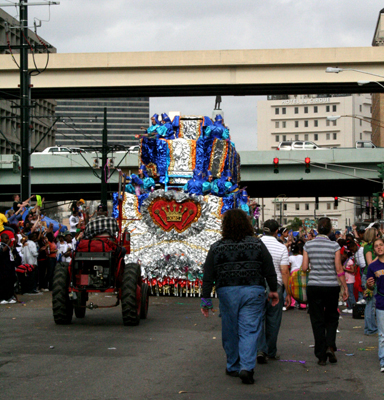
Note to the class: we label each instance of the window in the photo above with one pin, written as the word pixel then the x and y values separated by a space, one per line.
pixel 296 110
pixel 306 136
pixel 315 109
pixel 327 108
pixel 316 136
pixel 361 108
pixel 284 138
pixel 277 124
pixel 327 122
pixel 334 136
pixel 278 207
pixel 334 108
pixel 296 137
pixel 277 138
pixel 285 221
pixel 316 123
pixel 306 206
pixel 334 207
pixel 277 111
pixel 296 124
pixel 361 135
pixel 328 136
pixel 283 110
pixel 284 124
pixel 306 124
pixel 334 123
pixel 361 123
pixel 297 206
pixel 305 110
pixel 328 206
pixel 285 206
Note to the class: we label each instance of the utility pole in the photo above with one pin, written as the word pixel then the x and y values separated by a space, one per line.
pixel 104 156
pixel 24 104
pixel 25 93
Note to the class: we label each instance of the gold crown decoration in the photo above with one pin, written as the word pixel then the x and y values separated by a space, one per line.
pixel 174 215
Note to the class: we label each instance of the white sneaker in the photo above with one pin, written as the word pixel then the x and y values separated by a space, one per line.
pixel 382 369
pixel 340 303
pixel 284 308
pixel 11 301
pixel 3 302
pixel 347 311
pixel 362 301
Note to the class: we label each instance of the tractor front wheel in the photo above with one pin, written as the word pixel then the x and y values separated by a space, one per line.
pixel 61 305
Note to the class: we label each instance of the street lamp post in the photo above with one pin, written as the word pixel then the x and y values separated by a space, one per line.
pixel 337 70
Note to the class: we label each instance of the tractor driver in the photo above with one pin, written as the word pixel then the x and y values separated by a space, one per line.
pixel 102 225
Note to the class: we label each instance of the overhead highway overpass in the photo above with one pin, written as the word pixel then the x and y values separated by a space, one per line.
pixel 196 73
pixel 333 172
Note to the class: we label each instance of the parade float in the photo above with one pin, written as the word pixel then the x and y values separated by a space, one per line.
pixel 189 172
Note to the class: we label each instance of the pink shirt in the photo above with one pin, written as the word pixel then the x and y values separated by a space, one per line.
pixel 349 277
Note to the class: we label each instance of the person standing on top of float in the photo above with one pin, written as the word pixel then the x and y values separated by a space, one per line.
pixel 243 201
pixel 156 130
pixel 218 129
pixel 207 184
pixel 195 185
pixel 143 183
pixel 166 121
pixel 224 187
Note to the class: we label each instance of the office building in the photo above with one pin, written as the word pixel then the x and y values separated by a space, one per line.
pixel 329 121
pixel 83 120
pixel 42 111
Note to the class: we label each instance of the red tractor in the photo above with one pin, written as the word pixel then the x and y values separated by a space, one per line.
pixel 98 266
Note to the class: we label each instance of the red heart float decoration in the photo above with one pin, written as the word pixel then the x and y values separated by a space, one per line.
pixel 168 214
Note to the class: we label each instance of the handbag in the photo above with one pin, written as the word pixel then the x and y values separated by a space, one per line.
pixel 297 285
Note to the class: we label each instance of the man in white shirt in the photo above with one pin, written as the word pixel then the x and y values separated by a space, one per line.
pixel 73 221
pixel 267 341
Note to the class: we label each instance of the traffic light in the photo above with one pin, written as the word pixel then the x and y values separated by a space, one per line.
pixel 276 165
pixel 335 202
pixel 307 165
pixel 16 164
pixel 381 170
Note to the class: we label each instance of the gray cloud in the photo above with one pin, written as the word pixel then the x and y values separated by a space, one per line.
pixel 170 25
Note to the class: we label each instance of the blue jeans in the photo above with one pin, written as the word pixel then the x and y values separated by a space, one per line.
pixel 370 326
pixel 380 325
pixel 241 310
pixel 267 342
pixel 351 299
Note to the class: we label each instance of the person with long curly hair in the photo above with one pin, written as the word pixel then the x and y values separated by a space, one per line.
pixel 238 265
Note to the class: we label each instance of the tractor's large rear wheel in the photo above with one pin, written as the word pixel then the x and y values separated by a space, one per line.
pixel 61 305
pixel 80 304
pixel 131 294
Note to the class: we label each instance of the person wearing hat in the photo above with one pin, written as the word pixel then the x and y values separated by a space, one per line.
pixel 102 225
pixel 267 342
pixel 218 129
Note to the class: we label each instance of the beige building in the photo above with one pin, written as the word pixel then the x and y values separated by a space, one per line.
pixel 328 121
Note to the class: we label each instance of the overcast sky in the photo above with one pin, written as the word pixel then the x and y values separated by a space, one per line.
pixel 168 25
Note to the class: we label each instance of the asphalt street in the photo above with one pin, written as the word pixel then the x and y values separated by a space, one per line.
pixel 175 354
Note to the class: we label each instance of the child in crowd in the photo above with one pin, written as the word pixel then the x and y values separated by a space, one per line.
pixel 375 277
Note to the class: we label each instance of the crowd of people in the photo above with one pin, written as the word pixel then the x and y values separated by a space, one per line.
pixel 251 273
pixel 30 248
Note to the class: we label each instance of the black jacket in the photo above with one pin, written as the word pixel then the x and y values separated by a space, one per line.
pixel 243 263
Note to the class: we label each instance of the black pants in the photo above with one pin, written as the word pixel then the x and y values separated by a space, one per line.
pixel 324 317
